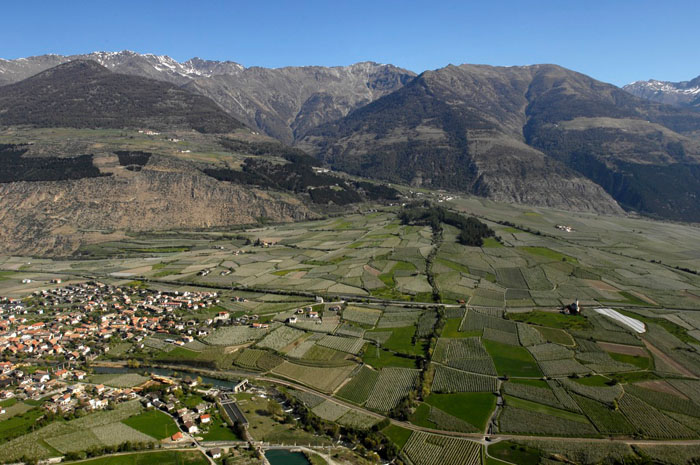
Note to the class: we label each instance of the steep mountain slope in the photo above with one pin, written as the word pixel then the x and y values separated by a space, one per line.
pixel 85 94
pixel 683 94
pixel 287 102
pixel 536 134
pixel 283 103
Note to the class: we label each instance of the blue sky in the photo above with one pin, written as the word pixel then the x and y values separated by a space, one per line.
pixel 616 41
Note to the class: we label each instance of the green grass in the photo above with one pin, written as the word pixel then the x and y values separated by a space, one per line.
pixel 286 272
pixel 219 430
pixel 643 363
pixel 634 376
pixel 473 407
pixel 379 358
pixel 397 434
pixel 551 320
pixel 541 408
pixel 558 336
pixel 491 242
pixel 515 453
pixel 451 329
pixel 152 458
pixel 512 361
pixel 452 265
pixel 19 424
pixel 420 416
pixel 532 382
pixel 488 460
pixel 9 402
pixel 153 423
pixel 548 253
pixel 401 340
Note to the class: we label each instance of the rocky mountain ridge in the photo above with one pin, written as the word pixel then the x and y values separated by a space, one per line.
pixel 683 94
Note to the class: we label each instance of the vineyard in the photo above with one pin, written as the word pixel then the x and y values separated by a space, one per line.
pixel 521 421
pixel 429 449
pixel 605 419
pixel 234 335
pixel 465 354
pixel 651 422
pixel 320 378
pixel 358 389
pixel 280 338
pixel 536 394
pixel 392 386
pixel 351 345
pixel 364 316
pixel 451 380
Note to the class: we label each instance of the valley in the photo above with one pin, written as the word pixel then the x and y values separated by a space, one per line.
pixel 371 327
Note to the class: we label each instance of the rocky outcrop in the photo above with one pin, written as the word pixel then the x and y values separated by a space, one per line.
pixel 55 218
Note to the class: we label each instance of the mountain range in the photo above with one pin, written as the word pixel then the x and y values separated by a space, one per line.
pixel 683 94
pixel 540 135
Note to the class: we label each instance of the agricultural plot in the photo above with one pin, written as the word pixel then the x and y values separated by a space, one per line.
pixel 447 422
pixel 356 419
pixel 347 329
pixel 664 401
pixel 475 321
pixel 426 323
pixel 307 398
pixel 300 349
pixel 280 338
pixel 448 380
pixel 358 389
pixel 503 337
pixel 125 380
pixel 606 420
pixel 362 315
pixel 249 358
pixel 525 421
pixel 532 393
pixel 512 361
pixel 154 423
pixel 399 319
pixel 604 394
pixel 511 278
pixel 466 354
pixel 528 335
pixel 651 422
pixel 351 345
pixel 392 386
pixel 474 408
pixel 31 445
pixel 234 335
pixel 429 449
pixel 320 378
pixel 329 410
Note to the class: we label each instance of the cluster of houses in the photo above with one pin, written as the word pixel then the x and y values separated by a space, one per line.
pixel 565 228
pixel 77 322
pixel 65 389
pixel 309 313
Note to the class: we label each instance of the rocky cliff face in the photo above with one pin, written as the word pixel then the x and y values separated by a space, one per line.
pixel 54 218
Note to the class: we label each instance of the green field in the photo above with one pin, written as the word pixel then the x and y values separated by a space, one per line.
pixel 151 458
pixel 512 361
pixel 473 407
pixel 401 341
pixel 153 423
pixel 397 434
pixel 379 358
pixel 514 453
pixel 643 363
pixel 551 320
pixel 541 408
